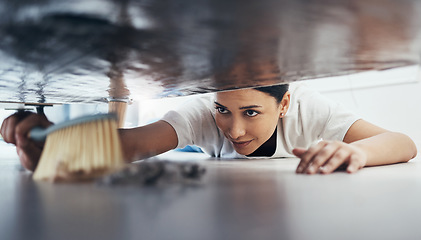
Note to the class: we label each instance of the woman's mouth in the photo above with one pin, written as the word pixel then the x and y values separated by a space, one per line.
pixel 241 144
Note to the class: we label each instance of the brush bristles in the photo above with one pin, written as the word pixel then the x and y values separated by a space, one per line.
pixel 119 108
pixel 81 152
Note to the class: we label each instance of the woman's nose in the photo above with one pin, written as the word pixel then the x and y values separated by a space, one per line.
pixel 237 129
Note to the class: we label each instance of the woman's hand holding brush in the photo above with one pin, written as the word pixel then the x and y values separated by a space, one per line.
pixel 15 129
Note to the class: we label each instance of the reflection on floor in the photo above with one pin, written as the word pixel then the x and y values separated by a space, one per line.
pixel 237 199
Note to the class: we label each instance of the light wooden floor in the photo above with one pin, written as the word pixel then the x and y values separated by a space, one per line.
pixel 253 199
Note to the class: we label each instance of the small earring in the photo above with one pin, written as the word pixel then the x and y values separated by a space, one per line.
pixel 282 114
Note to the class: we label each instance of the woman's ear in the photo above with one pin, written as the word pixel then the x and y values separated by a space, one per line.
pixel 285 104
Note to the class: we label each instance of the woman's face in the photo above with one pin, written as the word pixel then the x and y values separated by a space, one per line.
pixel 248 117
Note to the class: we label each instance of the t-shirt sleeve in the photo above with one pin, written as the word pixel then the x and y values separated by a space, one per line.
pixel 312 117
pixel 194 123
pixel 338 122
pixel 325 118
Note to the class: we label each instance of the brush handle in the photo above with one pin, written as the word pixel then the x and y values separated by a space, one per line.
pixel 40 134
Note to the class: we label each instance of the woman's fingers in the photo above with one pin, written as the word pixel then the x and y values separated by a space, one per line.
pixel 338 158
pixel 325 157
pixel 8 129
pixel 29 156
pixel 298 152
pixel 307 157
pixel 15 130
pixel 355 163
pixel 9 125
pixel 28 150
pixel 23 127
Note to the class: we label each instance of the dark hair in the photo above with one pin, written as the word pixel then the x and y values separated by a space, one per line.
pixel 276 91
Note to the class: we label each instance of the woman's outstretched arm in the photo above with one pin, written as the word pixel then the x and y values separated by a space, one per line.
pixel 148 140
pixel 364 144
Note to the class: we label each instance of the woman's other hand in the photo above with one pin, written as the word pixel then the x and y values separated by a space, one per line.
pixel 15 130
pixel 327 156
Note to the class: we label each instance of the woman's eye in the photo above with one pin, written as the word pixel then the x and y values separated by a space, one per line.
pixel 221 110
pixel 251 113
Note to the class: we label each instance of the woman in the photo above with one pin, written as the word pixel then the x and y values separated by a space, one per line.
pixel 261 122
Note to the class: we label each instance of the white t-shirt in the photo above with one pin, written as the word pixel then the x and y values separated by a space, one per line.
pixel 310 118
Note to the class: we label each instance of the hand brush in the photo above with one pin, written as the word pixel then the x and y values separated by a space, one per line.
pixel 80 149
